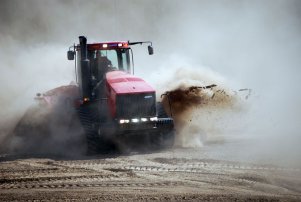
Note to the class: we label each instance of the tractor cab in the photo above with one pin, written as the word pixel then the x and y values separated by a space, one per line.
pixel 94 60
pixel 113 103
pixel 109 56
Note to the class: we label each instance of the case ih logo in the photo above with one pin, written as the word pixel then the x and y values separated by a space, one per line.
pixel 148 96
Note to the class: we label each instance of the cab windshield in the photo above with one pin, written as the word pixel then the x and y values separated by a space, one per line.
pixel 117 59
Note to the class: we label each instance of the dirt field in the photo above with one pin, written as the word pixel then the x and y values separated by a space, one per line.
pixel 202 174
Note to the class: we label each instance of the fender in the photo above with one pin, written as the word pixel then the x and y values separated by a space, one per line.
pixel 53 97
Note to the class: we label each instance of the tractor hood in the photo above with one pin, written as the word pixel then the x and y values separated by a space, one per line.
pixel 124 83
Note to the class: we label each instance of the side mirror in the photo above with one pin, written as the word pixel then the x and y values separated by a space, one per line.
pixel 150 50
pixel 70 55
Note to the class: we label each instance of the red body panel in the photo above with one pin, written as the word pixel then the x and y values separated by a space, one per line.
pixel 121 83
pixel 58 95
pixel 124 83
pixel 117 83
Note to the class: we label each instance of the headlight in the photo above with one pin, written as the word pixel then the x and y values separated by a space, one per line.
pixel 121 121
pixel 135 120
pixel 143 119
pixel 154 118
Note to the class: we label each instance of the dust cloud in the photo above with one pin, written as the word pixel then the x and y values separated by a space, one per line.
pixel 23 75
pixel 242 44
pixel 201 103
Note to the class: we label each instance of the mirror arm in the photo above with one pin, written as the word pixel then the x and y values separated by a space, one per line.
pixel 140 42
pixel 73 46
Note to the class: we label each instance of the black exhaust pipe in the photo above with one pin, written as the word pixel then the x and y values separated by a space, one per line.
pixel 83 47
pixel 84 70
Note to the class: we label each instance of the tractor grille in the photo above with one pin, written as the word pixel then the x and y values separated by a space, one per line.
pixel 136 105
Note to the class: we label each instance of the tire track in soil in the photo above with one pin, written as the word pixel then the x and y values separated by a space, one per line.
pixel 82 185
pixel 180 167
pixel 183 167
pixel 42 171
pixel 113 162
pixel 120 165
pixel 60 182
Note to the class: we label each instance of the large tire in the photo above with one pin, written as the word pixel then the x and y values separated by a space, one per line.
pixel 95 140
pixel 30 132
pixel 165 138
pixel 48 131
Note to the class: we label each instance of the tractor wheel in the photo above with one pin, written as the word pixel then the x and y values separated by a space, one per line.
pixel 96 144
pixel 165 138
pixel 93 145
pixel 30 132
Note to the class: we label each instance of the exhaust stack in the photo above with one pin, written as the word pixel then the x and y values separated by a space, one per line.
pixel 84 72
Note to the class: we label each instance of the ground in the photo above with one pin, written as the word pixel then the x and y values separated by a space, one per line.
pixel 207 173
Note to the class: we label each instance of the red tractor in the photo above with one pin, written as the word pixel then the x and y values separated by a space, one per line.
pixel 113 105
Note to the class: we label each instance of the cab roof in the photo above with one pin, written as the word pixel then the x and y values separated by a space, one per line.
pixel 107 45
